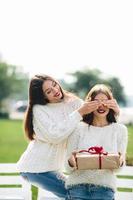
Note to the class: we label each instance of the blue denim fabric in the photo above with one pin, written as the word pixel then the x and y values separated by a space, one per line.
pixel 89 192
pixel 51 181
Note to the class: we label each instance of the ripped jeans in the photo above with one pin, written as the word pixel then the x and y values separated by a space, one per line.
pixel 51 181
pixel 89 192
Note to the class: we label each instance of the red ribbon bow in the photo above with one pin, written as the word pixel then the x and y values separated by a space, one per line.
pixel 96 150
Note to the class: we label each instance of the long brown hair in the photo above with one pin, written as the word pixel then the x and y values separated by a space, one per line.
pixel 36 96
pixel 99 88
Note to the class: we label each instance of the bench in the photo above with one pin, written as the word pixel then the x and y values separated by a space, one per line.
pixel 123 181
pixel 13 186
pixel 22 190
pixel 45 195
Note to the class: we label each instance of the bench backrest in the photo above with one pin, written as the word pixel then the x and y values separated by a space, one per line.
pixel 22 189
pixel 125 182
pixel 12 185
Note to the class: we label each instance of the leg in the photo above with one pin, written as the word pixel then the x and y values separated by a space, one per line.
pixel 77 192
pixel 51 181
pixel 100 192
pixel 89 192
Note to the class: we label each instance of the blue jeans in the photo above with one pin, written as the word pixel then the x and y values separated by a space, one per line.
pixel 89 192
pixel 51 181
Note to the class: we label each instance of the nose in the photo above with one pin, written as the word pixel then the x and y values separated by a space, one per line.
pixel 54 90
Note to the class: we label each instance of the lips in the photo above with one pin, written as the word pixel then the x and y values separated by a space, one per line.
pixel 101 111
pixel 57 94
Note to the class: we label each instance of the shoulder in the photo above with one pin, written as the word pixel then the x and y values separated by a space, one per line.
pixel 38 108
pixel 120 126
pixel 76 102
pixel 82 125
pixel 121 130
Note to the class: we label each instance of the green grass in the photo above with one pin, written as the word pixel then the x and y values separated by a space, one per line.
pixel 12 140
pixel 130 146
pixel 13 143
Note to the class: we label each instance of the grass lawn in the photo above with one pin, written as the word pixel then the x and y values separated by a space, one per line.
pixel 13 143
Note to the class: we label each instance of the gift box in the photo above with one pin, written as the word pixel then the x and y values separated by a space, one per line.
pixel 97 158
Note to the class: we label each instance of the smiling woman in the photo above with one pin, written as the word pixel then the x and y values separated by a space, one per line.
pixel 52 91
pixel 51 116
pixel 99 130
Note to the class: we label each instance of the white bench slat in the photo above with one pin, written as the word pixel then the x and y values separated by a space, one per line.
pixel 124 196
pixel 49 198
pixel 46 195
pixel 124 183
pixel 126 170
pixel 18 193
pixel 8 168
pixel 13 180
pixel 3 197
pixel 13 193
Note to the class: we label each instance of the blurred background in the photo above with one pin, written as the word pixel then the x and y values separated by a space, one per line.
pixel 80 43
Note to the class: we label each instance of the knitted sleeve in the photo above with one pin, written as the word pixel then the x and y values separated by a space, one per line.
pixel 72 145
pixel 122 139
pixel 47 130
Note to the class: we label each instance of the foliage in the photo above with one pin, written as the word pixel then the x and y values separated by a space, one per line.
pixel 83 81
pixel 117 89
pixel 13 82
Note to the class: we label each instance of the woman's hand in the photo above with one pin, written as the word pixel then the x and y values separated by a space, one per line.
pixel 112 104
pixel 121 158
pixel 72 160
pixel 88 107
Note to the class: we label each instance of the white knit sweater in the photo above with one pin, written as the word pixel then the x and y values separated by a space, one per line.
pixel 52 123
pixel 113 138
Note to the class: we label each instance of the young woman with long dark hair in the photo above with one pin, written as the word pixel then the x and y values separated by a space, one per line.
pixel 51 116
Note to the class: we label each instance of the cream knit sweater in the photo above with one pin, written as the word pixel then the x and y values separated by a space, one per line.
pixel 52 123
pixel 113 138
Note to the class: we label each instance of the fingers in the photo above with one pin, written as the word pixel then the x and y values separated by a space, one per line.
pixel 75 152
pixel 91 106
pixel 72 162
pixel 72 159
pixel 121 157
pixel 88 107
pixel 112 104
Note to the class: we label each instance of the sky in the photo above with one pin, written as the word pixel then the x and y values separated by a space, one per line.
pixel 59 36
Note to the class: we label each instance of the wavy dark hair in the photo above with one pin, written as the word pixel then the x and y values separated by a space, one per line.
pixel 36 96
pixel 97 89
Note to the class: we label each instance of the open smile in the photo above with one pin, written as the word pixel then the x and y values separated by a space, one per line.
pixel 101 111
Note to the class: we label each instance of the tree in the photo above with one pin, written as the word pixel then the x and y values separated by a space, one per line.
pixel 83 81
pixel 117 89
pixel 12 82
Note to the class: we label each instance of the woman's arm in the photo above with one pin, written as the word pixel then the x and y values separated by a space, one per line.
pixel 72 149
pixel 46 129
pixel 122 141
